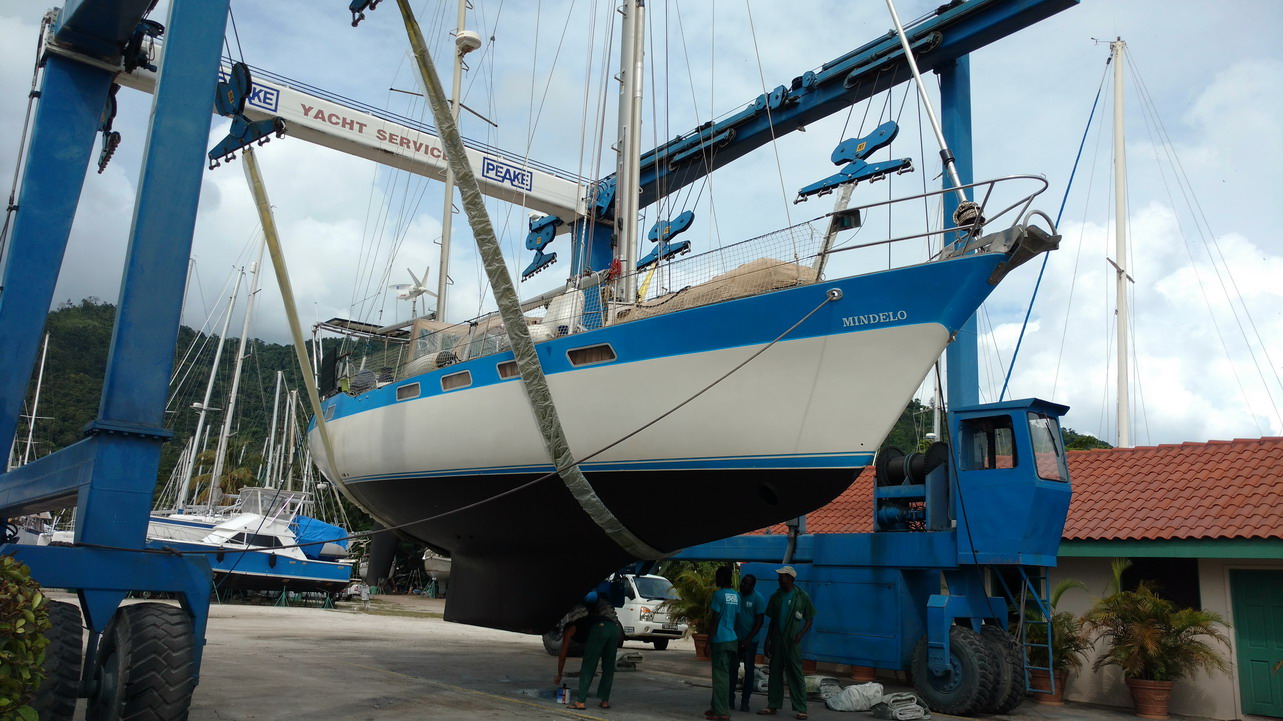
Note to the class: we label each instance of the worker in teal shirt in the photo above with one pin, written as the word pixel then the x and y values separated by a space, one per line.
pixel 724 606
pixel 748 627
pixel 791 613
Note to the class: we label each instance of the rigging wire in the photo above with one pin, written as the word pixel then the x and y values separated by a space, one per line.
pixel 12 206
pixel 1078 252
pixel 1155 125
pixel 1065 198
pixel 770 118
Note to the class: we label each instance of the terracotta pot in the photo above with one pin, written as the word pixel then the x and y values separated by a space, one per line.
pixel 863 674
pixel 701 646
pixel 759 660
pixel 808 666
pixel 1151 697
pixel 1040 681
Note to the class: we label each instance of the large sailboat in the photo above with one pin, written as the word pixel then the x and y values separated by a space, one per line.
pixel 749 389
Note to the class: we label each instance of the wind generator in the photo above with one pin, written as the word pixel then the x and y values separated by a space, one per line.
pixel 412 291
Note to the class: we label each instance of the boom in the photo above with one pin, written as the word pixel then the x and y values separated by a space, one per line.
pixel 367 132
pixel 955 30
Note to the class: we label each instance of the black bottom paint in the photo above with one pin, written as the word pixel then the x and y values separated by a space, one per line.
pixel 522 560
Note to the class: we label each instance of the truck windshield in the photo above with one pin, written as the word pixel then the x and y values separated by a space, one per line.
pixel 655 588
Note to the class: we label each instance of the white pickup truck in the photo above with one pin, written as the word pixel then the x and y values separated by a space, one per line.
pixel 642 615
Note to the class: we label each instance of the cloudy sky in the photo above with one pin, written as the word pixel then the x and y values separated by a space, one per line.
pixel 1203 146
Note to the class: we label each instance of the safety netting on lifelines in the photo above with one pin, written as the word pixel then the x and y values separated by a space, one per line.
pixel 779 259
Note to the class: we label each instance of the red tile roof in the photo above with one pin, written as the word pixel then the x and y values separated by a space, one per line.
pixel 1213 490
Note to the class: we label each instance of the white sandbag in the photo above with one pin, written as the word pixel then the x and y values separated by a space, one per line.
pixel 857 697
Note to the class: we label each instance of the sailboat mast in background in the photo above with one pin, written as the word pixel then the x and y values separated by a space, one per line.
pixel 1120 236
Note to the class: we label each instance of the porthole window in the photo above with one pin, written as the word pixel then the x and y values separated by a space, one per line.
pixel 508 369
pixel 591 354
pixel 454 381
pixel 329 412
pixel 407 391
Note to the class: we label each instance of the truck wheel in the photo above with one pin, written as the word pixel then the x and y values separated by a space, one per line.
pixel 56 698
pixel 1009 664
pixel 145 664
pixel 967 685
pixel 660 644
pixel 552 644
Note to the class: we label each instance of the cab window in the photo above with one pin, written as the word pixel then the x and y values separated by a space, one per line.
pixel 987 443
pixel 1049 456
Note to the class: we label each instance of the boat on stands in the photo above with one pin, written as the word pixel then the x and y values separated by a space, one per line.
pixel 265 544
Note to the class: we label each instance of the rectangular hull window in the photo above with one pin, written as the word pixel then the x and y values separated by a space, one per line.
pixel 407 391
pixel 455 381
pixel 592 354
pixel 508 369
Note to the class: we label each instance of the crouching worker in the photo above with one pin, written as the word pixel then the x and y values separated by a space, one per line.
pixel 595 624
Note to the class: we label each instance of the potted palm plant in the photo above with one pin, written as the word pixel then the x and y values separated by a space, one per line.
pixel 1153 642
pixel 694 584
pixel 1068 646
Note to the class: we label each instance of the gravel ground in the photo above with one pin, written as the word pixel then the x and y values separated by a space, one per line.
pixel 400 661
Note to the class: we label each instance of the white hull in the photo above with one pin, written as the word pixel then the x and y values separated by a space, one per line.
pixel 790 407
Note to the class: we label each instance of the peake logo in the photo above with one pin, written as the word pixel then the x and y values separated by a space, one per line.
pixel 501 172
pixel 261 97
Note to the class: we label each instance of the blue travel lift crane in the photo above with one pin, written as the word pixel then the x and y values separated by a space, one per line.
pixel 988 507
pixel 109 476
pixel 143 655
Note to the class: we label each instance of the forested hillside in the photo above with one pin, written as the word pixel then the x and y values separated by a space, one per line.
pixel 79 338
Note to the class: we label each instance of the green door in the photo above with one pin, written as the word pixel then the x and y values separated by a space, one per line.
pixel 1258 635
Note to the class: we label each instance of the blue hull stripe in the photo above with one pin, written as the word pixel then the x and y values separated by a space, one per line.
pixel 854 461
pixel 945 293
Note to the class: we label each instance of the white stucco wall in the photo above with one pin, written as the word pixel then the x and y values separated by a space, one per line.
pixel 1215 696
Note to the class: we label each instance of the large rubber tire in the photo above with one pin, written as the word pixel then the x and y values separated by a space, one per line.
pixel 145 665
pixel 56 698
pixel 1009 664
pixel 552 644
pixel 967 686
pixel 660 644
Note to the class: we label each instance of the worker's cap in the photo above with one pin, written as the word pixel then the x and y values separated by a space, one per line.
pixel 787 571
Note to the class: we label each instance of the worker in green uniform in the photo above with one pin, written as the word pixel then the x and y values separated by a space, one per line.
pixel 749 627
pixel 596 622
pixel 791 613
pixel 724 608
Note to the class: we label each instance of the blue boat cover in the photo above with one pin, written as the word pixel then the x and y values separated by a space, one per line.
pixel 318 533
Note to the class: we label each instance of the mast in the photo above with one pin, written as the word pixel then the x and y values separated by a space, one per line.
pixel 1116 49
pixel 288 439
pixel 219 457
pixel 35 404
pixel 271 434
pixel 465 42
pixel 209 391
pixel 627 194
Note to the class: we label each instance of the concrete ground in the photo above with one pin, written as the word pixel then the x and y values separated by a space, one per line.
pixel 399 662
